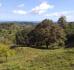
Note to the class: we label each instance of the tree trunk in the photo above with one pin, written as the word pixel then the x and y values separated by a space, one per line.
pixel 47 44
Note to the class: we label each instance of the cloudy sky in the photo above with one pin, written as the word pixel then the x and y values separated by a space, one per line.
pixel 36 10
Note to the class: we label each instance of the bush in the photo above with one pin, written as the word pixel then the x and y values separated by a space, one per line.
pixel 5 51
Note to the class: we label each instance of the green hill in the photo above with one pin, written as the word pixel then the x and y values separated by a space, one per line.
pixel 40 59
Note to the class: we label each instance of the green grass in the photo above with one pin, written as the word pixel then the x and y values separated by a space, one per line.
pixel 40 59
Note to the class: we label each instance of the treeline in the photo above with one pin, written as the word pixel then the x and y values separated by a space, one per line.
pixel 8 31
pixel 46 33
pixel 49 34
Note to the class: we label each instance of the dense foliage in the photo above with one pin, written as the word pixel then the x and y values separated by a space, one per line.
pixel 17 37
pixel 8 31
pixel 47 33
pixel 44 33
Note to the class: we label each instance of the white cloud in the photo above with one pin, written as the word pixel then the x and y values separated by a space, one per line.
pixel 21 5
pixel 70 17
pixel 43 7
pixel 20 12
pixel 58 14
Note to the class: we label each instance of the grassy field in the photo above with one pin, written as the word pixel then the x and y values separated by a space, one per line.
pixel 27 58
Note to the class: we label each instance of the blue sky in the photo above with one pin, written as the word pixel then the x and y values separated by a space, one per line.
pixel 36 10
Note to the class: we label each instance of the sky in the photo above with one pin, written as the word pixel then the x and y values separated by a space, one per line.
pixel 36 10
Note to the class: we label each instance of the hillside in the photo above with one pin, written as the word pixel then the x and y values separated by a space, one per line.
pixel 9 29
pixel 40 59
pixel 26 46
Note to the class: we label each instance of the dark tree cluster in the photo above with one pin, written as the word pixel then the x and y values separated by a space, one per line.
pixel 45 33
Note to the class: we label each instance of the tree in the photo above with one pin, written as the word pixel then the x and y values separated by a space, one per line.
pixel 63 23
pixel 46 33
pixel 5 51
pixel 21 36
pixel 70 35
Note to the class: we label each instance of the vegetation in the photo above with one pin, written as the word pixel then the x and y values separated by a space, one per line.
pixel 8 31
pixel 47 33
pixel 43 46
pixel 5 51
pixel 40 59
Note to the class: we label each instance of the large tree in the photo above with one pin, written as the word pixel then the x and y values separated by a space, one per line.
pixel 63 23
pixel 21 37
pixel 46 33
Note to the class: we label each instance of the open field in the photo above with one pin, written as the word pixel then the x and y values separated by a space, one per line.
pixel 27 58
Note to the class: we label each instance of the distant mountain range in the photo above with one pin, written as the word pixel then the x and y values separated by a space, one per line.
pixel 20 22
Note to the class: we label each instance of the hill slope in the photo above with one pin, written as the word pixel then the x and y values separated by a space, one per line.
pixel 40 59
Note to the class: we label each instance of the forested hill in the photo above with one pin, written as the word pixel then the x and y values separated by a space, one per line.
pixel 9 29
pixel 20 22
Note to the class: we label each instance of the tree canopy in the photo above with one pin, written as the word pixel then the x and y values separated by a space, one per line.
pixel 46 33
